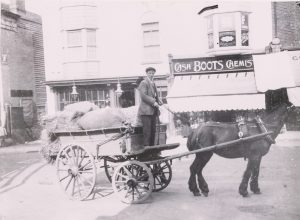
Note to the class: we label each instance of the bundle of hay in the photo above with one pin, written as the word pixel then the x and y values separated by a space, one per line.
pixel 131 115
pixel 102 118
pixel 62 121
pixel 82 116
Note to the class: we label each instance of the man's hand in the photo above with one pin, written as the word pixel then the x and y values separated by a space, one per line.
pixel 155 104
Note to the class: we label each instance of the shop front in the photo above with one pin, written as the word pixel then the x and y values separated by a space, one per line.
pixel 214 88
pixel 226 88
pixel 113 92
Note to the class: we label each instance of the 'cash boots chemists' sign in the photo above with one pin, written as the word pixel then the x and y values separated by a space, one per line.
pixel 206 65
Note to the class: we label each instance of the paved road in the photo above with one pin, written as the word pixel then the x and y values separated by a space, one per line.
pixel 35 194
pixel 14 162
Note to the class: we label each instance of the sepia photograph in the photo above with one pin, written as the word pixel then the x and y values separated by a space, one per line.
pixel 150 110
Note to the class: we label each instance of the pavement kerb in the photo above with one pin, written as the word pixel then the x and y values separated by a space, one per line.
pixel 22 148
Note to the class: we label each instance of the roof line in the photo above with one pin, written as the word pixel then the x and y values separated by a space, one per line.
pixel 207 8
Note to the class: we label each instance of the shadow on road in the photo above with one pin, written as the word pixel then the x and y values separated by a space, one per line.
pixel 24 179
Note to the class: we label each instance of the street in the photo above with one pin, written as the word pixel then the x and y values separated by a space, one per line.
pixel 17 161
pixel 35 194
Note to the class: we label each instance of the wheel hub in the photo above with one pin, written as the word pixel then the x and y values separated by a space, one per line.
pixel 73 170
pixel 132 183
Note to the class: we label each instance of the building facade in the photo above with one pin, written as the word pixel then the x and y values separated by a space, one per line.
pixel 22 89
pixel 98 45
pixel 286 23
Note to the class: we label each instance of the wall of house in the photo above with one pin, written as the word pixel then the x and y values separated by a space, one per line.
pixel 22 69
pixel 286 23
pixel 120 40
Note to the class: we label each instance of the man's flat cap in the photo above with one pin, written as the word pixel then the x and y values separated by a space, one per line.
pixel 150 68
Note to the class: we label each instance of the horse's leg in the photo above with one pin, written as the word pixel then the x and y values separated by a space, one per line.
pixel 203 158
pixel 192 180
pixel 244 184
pixel 254 176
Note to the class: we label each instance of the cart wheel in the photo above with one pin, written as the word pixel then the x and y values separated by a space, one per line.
pixel 162 174
pixel 132 181
pixel 76 171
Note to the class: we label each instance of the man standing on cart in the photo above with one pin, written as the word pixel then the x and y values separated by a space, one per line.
pixel 149 107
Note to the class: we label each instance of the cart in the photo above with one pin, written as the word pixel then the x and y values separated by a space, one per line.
pixel 133 176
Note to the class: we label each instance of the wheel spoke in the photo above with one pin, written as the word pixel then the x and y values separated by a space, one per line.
pixel 120 189
pixel 140 194
pixel 68 183
pixel 85 171
pixel 133 181
pixel 144 182
pixel 82 157
pixel 86 180
pixel 144 176
pixel 77 156
pixel 143 187
pixel 73 189
pixel 121 175
pixel 62 169
pixel 81 168
pixel 79 190
pixel 128 172
pixel 120 181
pixel 64 178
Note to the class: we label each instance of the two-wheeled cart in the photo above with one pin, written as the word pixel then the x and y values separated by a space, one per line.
pixel 133 172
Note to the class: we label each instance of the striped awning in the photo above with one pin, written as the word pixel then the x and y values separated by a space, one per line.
pixel 217 103
pixel 233 91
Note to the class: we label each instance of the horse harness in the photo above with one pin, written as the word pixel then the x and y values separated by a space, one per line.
pixel 243 129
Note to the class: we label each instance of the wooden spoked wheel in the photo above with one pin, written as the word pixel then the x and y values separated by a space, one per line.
pixel 162 174
pixel 132 181
pixel 76 171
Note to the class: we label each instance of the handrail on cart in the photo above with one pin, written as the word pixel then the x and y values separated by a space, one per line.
pixel 210 148
pixel 128 130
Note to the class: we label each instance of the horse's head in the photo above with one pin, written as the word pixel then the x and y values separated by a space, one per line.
pixel 290 107
pixel 275 119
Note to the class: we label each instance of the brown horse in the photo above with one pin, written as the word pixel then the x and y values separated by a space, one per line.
pixel 211 133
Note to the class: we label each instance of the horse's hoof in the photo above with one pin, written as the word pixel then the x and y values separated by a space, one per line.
pixel 196 194
pixel 205 194
pixel 244 193
pixel 257 192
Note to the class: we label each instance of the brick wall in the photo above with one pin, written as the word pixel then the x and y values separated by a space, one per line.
pixel 286 23
pixel 23 69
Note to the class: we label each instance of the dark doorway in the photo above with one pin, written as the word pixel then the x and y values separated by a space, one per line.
pixel 127 98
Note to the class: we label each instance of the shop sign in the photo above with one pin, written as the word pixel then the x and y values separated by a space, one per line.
pixel 227 39
pixel 206 65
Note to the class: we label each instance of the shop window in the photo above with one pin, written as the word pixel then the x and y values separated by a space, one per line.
pixel 210 32
pixel 151 43
pixel 162 93
pixel 99 97
pixel 228 31
pixel 245 29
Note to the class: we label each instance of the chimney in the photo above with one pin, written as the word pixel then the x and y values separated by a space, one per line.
pixel 17 5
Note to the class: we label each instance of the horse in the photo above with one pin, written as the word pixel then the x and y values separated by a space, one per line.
pixel 211 133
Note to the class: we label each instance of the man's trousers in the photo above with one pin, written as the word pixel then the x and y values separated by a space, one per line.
pixel 149 129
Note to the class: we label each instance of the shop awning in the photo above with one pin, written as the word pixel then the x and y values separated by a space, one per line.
pixel 234 91
pixel 277 70
pixel 294 95
pixel 217 103
pixel 214 84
